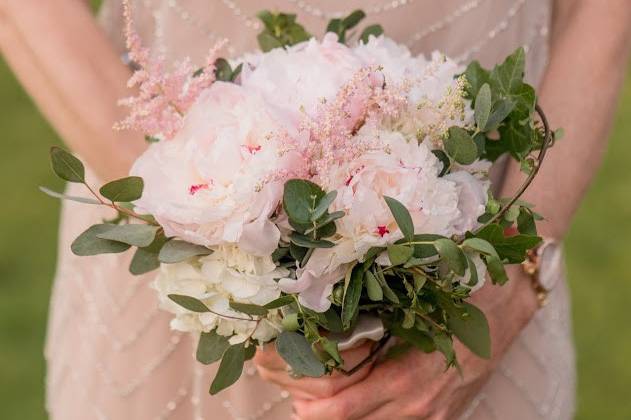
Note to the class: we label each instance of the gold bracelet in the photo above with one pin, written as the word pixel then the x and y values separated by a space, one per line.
pixel 541 265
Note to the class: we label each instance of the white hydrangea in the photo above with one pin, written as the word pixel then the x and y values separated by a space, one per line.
pixel 227 274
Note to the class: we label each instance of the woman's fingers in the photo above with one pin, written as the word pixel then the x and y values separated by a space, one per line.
pixel 272 368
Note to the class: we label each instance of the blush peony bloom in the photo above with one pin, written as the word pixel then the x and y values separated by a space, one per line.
pixel 220 178
pixel 401 169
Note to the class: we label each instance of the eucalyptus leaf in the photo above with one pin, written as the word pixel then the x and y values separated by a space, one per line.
pixel 143 261
pixel 124 189
pixel 211 347
pixel 131 234
pixel 444 160
pixel 300 198
pixel 460 146
pixel 501 109
pixel 296 351
pixel 248 308
pixel 230 368
pixel 330 347
pixel 189 302
pixel 323 205
pixel 84 200
pixel 66 166
pixel 280 302
pixel 402 217
pixel 483 106
pixel 176 251
pixel 399 254
pixel 88 243
pixel 307 242
pixel 352 294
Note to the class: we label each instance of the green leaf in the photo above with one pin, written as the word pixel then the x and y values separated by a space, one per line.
pixel 300 199
pixel 84 200
pixel 473 272
pixel 480 245
pixel 230 368
pixel 290 322
pixel 402 217
pixel 88 243
pixel 307 242
pixel 501 110
pixel 514 248
pixel 417 338
pixel 375 292
pixel 471 327
pixel 144 261
pixel 510 74
pixel 211 347
pixel 66 166
pixel 460 146
pixel 371 30
pixel 452 255
pixel 476 77
pixel 330 347
pixel 280 302
pixel 323 205
pixel 190 303
pixel 267 42
pixel 296 351
pixel 399 254
pixel 223 70
pixel 483 106
pixel 248 308
pixel 353 19
pixel 444 159
pixel 176 251
pixel 135 235
pixel 124 189
pixel 496 270
pixel 236 72
pixel 445 345
pixel 352 294
pixel 526 222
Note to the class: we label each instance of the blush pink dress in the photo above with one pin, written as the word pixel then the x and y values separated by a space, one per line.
pixel 111 354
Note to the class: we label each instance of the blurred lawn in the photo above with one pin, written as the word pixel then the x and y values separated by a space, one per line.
pixel 598 258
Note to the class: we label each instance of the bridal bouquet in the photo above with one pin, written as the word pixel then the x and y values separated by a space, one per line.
pixel 291 192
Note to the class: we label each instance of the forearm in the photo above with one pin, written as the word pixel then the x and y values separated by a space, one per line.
pixel 71 70
pixel 589 51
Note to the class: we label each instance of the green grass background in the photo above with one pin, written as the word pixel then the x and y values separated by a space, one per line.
pixel 599 259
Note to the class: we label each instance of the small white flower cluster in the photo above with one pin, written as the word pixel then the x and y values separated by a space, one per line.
pixel 219 181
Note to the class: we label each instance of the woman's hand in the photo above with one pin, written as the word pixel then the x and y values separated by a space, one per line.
pixel 414 385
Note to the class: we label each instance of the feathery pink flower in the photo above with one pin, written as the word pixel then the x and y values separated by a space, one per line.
pixel 163 96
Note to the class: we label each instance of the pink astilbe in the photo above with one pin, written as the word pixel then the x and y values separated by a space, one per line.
pixel 332 133
pixel 163 96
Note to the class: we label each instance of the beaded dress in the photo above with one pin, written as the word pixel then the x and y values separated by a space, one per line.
pixel 111 354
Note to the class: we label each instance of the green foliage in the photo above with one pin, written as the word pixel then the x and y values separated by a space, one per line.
pixel 502 101
pixel 90 242
pixel 61 196
pixel 469 324
pixel 371 30
pixel 280 30
pixel 175 251
pixel 134 235
pixel 352 294
pixel 296 351
pixel 452 254
pixel 190 303
pixel 460 146
pixel 248 308
pixel 230 368
pixel 224 72
pixel 123 190
pixel 211 347
pixel 402 217
pixel 66 166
